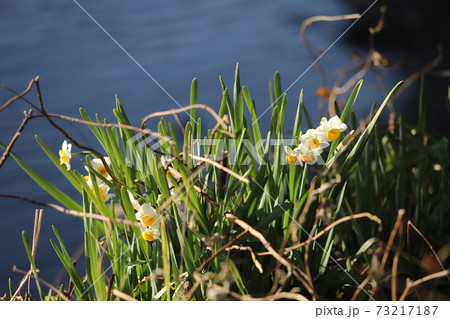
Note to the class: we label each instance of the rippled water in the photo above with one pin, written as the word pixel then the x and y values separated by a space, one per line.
pixel 174 41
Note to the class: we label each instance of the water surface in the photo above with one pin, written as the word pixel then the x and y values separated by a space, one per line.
pixel 174 41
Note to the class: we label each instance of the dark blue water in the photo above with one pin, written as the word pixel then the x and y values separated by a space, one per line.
pixel 174 41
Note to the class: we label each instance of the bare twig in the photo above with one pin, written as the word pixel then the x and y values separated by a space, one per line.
pixel 115 125
pixel 19 95
pixel 373 58
pixel 282 295
pixel 309 277
pixel 73 212
pixel 410 224
pixel 276 296
pixel 397 256
pixel 111 281
pixel 255 261
pixel 36 231
pixel 292 270
pixel 221 167
pixel 260 237
pixel 121 295
pixel 15 137
pixel 49 119
pixel 311 20
pixel 184 109
pixel 425 69
pixel 334 224
pixel 361 287
pixel 218 251
pixel 30 274
pixel 411 284
pixel 397 224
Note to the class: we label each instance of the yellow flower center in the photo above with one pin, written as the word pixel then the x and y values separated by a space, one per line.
pixel 148 220
pixel 148 235
pixel 291 159
pixel 62 157
pixel 307 158
pixel 313 143
pixel 333 134
pixel 100 192
pixel 102 171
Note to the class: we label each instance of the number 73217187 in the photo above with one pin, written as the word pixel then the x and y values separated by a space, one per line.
pixel 406 310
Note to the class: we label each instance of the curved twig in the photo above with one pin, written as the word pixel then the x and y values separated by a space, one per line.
pixel 411 284
pixel 184 109
pixel 90 149
pixel 122 295
pixel 19 95
pixel 73 212
pixel 221 167
pixel 410 224
pixel 49 285
pixel 15 137
pixel 115 125
pixel 261 238
pixel 255 261
pixel 311 20
pixel 332 225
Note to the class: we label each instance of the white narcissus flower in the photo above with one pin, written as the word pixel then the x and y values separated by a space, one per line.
pixel 65 155
pixel 150 234
pixel 103 189
pixel 308 155
pixel 314 140
pixel 292 156
pixel 148 216
pixel 133 201
pixel 331 128
pixel 99 167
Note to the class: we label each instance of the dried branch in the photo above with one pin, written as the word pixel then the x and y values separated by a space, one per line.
pixel 19 95
pixel 184 109
pixel 122 295
pixel 395 263
pixel 411 284
pixel 397 224
pixel 260 237
pixel 49 119
pixel 361 287
pixel 282 295
pixel 292 270
pixel 218 251
pixel 332 225
pixel 42 281
pixel 15 137
pixel 73 212
pixel 221 167
pixel 410 224
pixel 255 261
pixel 311 20
pixel 276 296
pixel 143 131
pixel 111 281
pixel 425 69
pixel 25 278
pixel 36 230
